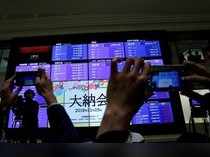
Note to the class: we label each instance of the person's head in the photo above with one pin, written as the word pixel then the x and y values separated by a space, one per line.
pixel 20 98
pixel 29 94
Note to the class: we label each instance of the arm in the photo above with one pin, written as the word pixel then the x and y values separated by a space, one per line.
pixel 7 95
pixel 199 74
pixel 126 93
pixel 62 127
pixel 7 99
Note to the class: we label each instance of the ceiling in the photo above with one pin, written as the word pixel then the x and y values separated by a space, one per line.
pixel 24 7
pixel 13 14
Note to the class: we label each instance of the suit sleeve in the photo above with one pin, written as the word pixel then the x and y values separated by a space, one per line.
pixel 120 136
pixel 61 125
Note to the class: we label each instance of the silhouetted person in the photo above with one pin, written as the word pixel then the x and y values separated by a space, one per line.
pixel 30 111
pixel 8 97
pixel 18 109
pixel 126 93
pixel 30 116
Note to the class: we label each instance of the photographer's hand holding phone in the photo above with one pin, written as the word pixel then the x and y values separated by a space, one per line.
pixel 126 92
pixel 45 88
pixel 7 94
pixel 199 74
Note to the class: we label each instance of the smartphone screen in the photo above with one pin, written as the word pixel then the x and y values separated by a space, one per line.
pixel 25 78
pixel 166 77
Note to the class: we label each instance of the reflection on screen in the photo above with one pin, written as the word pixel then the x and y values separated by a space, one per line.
pixel 63 52
pixel 37 97
pixel 42 114
pixel 106 50
pixel 154 112
pixel 142 48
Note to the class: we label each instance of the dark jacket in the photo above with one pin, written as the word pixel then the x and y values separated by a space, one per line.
pixel 63 130
pixel 30 114
pixel 61 126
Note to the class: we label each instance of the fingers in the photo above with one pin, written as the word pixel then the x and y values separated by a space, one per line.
pixel 8 81
pixel 145 72
pixel 42 74
pixel 38 85
pixel 114 70
pixel 129 62
pixel 197 68
pixel 196 78
pixel 146 69
pixel 138 64
pixel 143 79
pixel 38 80
pixel 12 78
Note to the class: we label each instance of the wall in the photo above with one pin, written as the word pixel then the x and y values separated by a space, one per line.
pixel 29 18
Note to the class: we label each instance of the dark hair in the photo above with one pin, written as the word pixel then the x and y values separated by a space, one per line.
pixel 29 91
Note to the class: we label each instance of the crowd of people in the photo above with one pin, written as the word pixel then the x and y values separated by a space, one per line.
pixel 126 93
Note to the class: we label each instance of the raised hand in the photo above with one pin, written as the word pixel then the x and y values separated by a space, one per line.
pixel 198 74
pixel 127 90
pixel 7 94
pixel 44 87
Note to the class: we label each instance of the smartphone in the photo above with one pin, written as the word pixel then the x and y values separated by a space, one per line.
pixel 165 77
pixel 25 78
